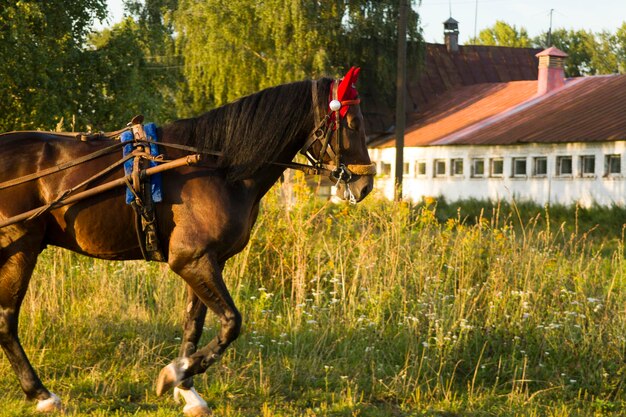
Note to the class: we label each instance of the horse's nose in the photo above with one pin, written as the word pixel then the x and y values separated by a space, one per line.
pixel 365 188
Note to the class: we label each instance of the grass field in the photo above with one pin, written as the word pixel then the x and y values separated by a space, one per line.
pixel 376 310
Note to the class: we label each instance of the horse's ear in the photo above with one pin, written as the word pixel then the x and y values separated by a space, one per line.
pixel 355 74
pixel 347 89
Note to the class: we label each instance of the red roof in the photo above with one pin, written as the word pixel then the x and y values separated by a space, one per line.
pixel 472 64
pixel 460 108
pixel 442 71
pixel 586 109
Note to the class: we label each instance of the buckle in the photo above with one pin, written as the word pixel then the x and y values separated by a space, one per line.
pixel 341 174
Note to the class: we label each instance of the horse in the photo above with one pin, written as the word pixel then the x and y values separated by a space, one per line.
pixel 205 218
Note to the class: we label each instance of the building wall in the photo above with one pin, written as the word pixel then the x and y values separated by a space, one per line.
pixel 556 186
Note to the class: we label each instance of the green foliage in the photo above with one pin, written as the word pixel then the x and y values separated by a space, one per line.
pixel 379 309
pixel 620 37
pixel 130 78
pixel 590 53
pixel 41 50
pixel 54 68
pixel 502 34
pixel 169 59
pixel 252 45
pixel 580 45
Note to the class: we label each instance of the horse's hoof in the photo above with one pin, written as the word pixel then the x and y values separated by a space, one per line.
pixel 50 405
pixel 197 411
pixel 195 406
pixel 171 376
pixel 167 379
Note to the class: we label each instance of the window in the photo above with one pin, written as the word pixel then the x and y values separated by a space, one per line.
pixel 456 165
pixel 540 166
pixel 613 164
pixel 406 168
pixel 420 168
pixel 519 167
pixel 496 167
pixel 440 168
pixel 587 165
pixel 563 166
pixel 478 167
pixel 385 169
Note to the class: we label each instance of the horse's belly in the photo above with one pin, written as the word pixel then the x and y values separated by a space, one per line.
pixel 102 227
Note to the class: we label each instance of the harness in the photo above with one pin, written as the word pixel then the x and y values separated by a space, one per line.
pixel 143 193
pixel 328 162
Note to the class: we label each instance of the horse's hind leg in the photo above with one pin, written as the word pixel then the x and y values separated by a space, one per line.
pixel 195 315
pixel 17 261
pixel 204 276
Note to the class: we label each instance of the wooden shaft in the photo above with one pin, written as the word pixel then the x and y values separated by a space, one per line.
pixel 187 160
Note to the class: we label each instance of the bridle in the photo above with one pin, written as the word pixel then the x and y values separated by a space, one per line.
pixel 323 133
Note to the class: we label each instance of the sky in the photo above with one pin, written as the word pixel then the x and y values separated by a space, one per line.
pixel 533 15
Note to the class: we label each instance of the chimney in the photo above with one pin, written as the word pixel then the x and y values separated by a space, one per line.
pixel 451 34
pixel 551 72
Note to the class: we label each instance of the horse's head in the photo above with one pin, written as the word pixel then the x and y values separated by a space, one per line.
pixel 337 146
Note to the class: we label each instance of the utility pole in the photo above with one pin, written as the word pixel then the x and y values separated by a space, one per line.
pixel 475 19
pixel 400 98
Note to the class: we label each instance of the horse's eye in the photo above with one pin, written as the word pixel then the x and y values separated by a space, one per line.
pixel 354 123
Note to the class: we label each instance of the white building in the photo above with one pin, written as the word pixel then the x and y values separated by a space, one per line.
pixel 549 140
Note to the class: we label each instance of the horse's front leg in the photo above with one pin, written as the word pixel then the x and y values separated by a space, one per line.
pixel 204 275
pixel 195 314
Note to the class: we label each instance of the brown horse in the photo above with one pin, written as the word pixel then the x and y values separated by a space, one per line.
pixel 205 217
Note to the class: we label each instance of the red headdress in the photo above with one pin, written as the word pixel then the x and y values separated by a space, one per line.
pixel 346 90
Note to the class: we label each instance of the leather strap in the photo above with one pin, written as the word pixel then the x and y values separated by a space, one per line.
pixel 350 102
pixel 81 136
pixel 60 167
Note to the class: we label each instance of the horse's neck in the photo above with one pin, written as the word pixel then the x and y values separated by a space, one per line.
pixel 269 176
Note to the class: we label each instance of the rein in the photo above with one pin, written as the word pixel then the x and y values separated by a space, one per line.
pixel 61 167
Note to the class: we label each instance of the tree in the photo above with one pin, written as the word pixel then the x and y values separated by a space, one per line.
pixel 620 39
pixel 137 69
pixel 55 68
pixel 604 57
pixel 172 58
pixel 502 34
pixel 370 34
pixel 245 46
pixel 41 46
pixel 590 53
pixel 129 79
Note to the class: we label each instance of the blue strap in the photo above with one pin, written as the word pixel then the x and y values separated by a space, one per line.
pixel 155 180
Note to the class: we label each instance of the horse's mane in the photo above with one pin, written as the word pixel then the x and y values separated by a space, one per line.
pixel 253 130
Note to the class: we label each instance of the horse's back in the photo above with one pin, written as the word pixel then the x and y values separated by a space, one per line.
pixel 91 226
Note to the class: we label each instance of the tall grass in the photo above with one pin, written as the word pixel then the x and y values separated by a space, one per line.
pixel 376 310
